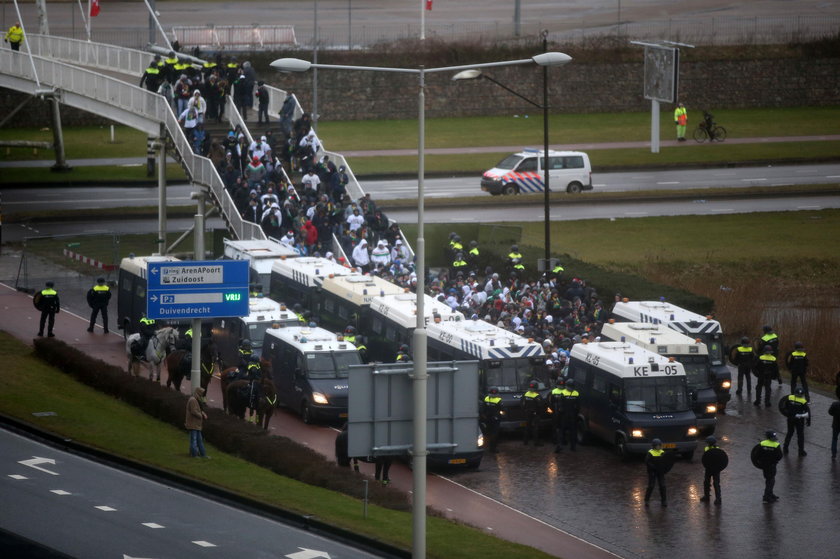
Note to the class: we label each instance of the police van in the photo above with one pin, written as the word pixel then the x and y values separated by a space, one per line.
pixel 298 280
pixel 345 300
pixel 263 313
pixel 309 368
pixel 132 284
pixel 689 323
pixel 261 255
pixel 522 173
pixel 691 352
pixel 630 396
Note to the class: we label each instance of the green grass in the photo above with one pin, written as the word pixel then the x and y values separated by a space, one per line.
pixel 103 422
pixel 79 142
pixel 87 175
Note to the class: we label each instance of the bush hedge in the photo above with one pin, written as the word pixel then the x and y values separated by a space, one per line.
pixel 229 434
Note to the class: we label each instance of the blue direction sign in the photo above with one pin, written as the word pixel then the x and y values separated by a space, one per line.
pixel 197 289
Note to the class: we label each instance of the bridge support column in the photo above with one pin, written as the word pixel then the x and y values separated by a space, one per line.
pixel 198 246
pixel 160 145
pixel 58 136
pixel 150 156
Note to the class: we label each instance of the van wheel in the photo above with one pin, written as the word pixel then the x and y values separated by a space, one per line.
pixel 509 189
pixel 621 448
pixel 306 412
pixel 574 188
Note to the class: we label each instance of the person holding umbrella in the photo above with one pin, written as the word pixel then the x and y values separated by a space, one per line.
pixel 715 461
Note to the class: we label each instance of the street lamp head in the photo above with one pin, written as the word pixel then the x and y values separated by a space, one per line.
pixel 551 59
pixel 291 65
pixel 467 75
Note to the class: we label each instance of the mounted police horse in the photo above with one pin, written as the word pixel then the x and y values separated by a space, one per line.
pixel 178 367
pixel 237 398
pixel 156 350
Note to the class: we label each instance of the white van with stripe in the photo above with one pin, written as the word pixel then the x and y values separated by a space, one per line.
pixel 522 172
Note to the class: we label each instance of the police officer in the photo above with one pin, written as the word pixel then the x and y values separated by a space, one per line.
pixel 491 415
pixel 14 36
pixel 146 328
pixel 245 353
pixel 658 463
pixel 555 404
pixel 473 255
pixel 797 363
pixel 766 369
pixel 97 298
pixel 570 407
pixel 459 262
pixel 254 377
pixel 361 347
pixel 455 245
pixel 350 334
pixel 514 257
pixel 769 338
pixel 298 310
pixel 715 461
pixel 534 405
pixel 48 303
pixel 765 455
pixel 152 77
pixel 795 408
pixel 743 357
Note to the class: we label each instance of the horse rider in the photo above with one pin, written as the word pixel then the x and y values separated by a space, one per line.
pixel 254 377
pixel 184 343
pixel 245 353
pixel 146 330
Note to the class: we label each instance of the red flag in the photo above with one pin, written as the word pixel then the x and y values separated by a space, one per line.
pixel 428 5
pixel 94 8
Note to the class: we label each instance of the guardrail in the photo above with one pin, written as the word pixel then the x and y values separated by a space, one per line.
pixel 96 55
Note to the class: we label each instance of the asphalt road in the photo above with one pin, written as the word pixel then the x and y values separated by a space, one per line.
pixel 86 509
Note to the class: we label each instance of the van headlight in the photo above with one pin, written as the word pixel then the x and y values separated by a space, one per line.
pixel 480 441
pixel 637 433
pixel 727 384
pixel 711 408
pixel 692 431
pixel 319 398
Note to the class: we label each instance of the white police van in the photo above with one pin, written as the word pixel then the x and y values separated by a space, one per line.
pixel 261 255
pixel 522 172
pixel 630 396
pixel 263 313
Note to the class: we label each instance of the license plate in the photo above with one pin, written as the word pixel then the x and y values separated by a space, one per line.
pixel 342 415
pixel 669 445
pixel 458 461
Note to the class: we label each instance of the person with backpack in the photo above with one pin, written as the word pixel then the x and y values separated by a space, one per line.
pixel 48 303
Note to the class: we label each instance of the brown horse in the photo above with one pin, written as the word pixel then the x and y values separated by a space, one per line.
pixel 176 372
pixel 227 372
pixel 238 401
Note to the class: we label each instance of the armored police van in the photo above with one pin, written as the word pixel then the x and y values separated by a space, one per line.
pixel 263 313
pixel 298 280
pixel 309 367
pixel 689 323
pixel 261 255
pixel 692 353
pixel 522 172
pixel 346 299
pixel 132 284
pixel 630 396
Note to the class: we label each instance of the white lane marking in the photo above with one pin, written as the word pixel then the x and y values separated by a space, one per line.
pixel 203 543
pixel 808 207
pixel 105 508
pixel 832 176
pixel 669 182
pixel 746 180
pixel 60 492
pixel 725 210
pixel 635 213
pixel 17 476
pixel 35 460
pixel 153 525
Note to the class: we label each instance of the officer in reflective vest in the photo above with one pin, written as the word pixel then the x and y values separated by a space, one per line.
pixel 14 36
pixel 97 298
pixel 766 455
pixel 245 353
pixel 797 364
pixel 361 347
pixel 795 408
pixel 769 338
pixel 657 466
pixel 681 120
pixel 766 369
pixel 555 404
pixel 570 406
pixel 350 334
pixel 715 460
pixel 49 304
pixel 459 261
pixel 151 77
pixel 743 357
pixel 169 65
pixel 532 402
pixel 513 256
pixel 491 415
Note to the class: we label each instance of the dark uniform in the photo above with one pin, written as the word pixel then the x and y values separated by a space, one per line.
pixel 766 455
pixel 152 77
pixel 146 328
pixel 491 417
pixel 766 369
pixel 743 357
pixel 459 263
pixel 534 405
pixel 714 462
pixel 254 385
pixel 769 338
pixel 834 412
pixel 795 408
pixel 797 363
pixel 97 298
pixel 48 303
pixel 556 412
pixel 658 463
pixel 245 353
pixel 570 408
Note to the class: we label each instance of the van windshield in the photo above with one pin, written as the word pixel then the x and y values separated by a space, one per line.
pixel 696 370
pixel 256 333
pixel 331 365
pixel 509 162
pixel 656 394
pixel 513 375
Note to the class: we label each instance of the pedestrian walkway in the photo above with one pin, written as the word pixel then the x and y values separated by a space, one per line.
pixel 134 161
pixel 20 319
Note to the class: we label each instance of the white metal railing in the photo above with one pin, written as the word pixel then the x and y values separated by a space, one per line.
pixel 133 100
pixel 235 37
pixel 96 55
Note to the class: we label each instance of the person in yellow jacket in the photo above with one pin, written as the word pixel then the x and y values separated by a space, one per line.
pixel 681 120
pixel 14 36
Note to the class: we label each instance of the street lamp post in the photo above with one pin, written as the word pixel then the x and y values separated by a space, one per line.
pixel 476 74
pixel 420 347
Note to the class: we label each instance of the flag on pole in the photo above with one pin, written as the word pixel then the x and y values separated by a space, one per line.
pixel 94 8
pixel 428 5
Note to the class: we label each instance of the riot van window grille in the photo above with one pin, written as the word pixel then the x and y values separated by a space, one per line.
pixel 656 395
pixel 331 365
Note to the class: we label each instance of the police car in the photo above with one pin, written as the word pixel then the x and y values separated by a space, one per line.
pixel 522 172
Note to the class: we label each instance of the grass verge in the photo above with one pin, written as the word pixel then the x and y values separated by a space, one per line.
pixel 82 176
pixel 108 424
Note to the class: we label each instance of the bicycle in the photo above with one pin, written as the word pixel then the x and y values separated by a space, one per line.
pixel 709 130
